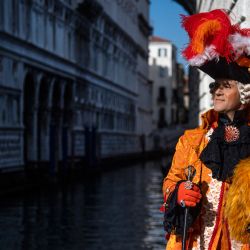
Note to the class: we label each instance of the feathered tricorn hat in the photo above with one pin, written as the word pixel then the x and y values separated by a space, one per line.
pixel 217 47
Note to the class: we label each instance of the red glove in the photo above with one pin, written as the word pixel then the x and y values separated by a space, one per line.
pixel 190 196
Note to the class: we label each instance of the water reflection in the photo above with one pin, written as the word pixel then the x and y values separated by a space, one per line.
pixel 113 211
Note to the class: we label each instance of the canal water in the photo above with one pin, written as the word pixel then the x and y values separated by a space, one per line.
pixel 115 210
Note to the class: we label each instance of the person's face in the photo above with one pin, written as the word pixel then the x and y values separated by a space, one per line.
pixel 226 96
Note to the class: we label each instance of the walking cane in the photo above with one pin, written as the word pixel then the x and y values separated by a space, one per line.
pixel 190 175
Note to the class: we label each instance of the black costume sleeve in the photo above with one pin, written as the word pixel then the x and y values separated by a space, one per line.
pixel 174 213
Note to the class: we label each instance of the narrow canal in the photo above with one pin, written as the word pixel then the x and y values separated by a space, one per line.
pixel 116 210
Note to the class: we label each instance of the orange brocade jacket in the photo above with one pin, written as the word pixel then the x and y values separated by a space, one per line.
pixel 188 149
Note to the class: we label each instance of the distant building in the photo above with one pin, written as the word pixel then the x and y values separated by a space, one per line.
pixel 162 63
pixel 73 81
pixel 182 95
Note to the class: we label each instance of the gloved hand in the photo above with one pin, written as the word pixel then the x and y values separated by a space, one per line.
pixel 190 196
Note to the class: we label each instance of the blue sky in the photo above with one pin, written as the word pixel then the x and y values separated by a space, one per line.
pixel 165 19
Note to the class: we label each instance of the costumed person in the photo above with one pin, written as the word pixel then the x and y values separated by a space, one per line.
pixel 218 197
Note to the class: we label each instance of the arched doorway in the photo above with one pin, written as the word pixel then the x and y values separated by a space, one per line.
pixel 55 125
pixel 43 122
pixel 67 125
pixel 29 118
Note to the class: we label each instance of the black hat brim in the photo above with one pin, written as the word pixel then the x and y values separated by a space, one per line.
pixel 221 69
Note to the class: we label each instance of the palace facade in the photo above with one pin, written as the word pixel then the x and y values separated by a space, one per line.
pixel 73 81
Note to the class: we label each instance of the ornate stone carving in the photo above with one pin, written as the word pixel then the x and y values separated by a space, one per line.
pixel 10 149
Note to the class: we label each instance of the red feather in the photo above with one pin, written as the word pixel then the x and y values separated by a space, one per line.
pixel 208 29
